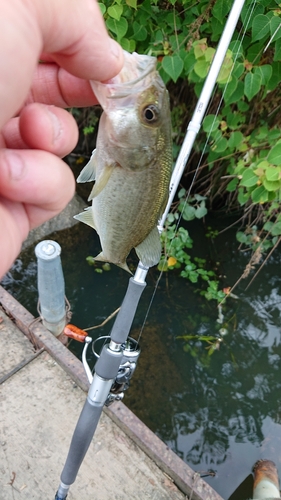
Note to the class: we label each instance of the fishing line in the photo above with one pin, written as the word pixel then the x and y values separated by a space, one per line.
pixel 241 34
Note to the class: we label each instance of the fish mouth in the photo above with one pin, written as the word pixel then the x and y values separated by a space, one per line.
pixel 124 89
pixel 134 77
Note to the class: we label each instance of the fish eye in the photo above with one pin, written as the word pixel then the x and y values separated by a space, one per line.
pixel 150 113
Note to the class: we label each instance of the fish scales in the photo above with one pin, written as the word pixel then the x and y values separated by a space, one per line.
pixel 131 164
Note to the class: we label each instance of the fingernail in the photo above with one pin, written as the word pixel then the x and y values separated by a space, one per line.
pixel 56 124
pixel 15 164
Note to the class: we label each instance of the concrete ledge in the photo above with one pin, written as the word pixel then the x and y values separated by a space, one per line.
pixel 182 475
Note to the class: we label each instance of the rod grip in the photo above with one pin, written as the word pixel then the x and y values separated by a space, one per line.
pixel 124 320
pixel 81 440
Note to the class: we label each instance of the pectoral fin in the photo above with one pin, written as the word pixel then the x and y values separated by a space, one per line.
pixel 89 171
pixel 86 217
pixel 101 181
pixel 149 251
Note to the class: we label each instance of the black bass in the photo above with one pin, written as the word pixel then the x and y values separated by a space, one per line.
pixel 131 164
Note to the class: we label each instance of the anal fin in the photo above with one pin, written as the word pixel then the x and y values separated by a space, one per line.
pixel 101 258
pixel 86 217
pixel 149 251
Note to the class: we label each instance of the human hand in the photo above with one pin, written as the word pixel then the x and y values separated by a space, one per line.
pixel 35 184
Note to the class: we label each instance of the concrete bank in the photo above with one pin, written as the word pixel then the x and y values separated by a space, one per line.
pixel 41 396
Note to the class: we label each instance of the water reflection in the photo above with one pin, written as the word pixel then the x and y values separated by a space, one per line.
pixel 221 411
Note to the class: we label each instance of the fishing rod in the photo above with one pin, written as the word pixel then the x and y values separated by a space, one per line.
pixel 119 355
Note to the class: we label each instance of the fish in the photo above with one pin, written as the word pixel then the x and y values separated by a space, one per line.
pixel 132 163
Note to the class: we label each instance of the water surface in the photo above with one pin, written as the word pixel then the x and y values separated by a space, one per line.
pixel 220 412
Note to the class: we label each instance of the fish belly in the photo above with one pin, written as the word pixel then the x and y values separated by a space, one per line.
pixel 126 211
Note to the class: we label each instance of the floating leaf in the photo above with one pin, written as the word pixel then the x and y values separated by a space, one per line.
pixel 252 85
pixel 173 65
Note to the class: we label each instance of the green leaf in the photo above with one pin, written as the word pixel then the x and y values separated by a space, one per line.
pixel 102 8
pixel 120 27
pixel 260 27
pixel 188 213
pixel 132 3
pixel 200 47
pixel 277 54
pixel 276 76
pixel 249 179
pixel 221 10
pixel 275 154
pixel 242 237
pixel 252 85
pixel 173 65
pixel 272 173
pixel 259 195
pixel 235 139
pixel 276 229
pixel 230 88
pixel 115 11
pixel 201 212
pixel 275 28
pixel 271 185
pixel 265 73
pixel 201 68
pixel 237 94
pixel 128 45
pixel 268 226
pixel 231 186
pixel 211 122
pixel 140 32
pixel 182 193
pixel 221 145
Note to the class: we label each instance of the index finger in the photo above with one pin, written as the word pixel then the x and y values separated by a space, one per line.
pixel 73 31
pixel 54 85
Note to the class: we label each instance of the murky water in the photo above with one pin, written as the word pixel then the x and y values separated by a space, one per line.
pixel 221 411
